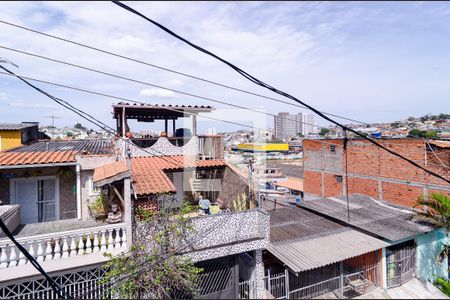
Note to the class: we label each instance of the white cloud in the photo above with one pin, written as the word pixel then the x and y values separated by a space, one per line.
pixel 155 92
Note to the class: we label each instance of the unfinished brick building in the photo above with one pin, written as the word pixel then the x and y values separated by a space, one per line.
pixel 373 171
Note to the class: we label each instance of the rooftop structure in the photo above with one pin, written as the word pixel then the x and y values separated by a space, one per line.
pixel 150 113
pixel 15 135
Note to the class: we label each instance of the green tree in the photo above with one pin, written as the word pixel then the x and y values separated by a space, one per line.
pixel 79 126
pixel 438 210
pixel 324 131
pixel 69 133
pixel 423 133
pixel 162 273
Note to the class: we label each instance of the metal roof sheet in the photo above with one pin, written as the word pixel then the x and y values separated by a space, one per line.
pixel 320 251
pixel 304 240
pixel 380 219
pixel 88 146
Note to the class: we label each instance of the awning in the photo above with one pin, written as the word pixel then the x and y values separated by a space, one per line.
pixel 320 251
pixel 110 173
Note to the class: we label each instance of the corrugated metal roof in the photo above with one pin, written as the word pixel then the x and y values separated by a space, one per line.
pixel 320 251
pixel 304 240
pixel 14 126
pixel 380 219
pixel 88 146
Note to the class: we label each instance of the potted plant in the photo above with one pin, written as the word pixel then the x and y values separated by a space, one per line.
pixel 99 207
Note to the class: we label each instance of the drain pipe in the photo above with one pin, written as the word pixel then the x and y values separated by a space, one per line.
pixel 78 172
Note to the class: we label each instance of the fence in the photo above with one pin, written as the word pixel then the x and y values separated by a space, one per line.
pixel 247 289
pixel 81 284
pixel 277 286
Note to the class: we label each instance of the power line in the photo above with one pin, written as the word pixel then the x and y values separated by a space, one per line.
pixel 172 109
pixel 149 84
pixel 136 101
pixel 170 70
pixel 271 88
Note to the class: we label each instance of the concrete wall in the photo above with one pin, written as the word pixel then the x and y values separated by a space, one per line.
pixel 428 248
pixel 10 139
pixel 373 171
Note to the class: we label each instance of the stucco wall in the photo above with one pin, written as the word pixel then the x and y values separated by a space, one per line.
pixel 428 248
pixel 10 139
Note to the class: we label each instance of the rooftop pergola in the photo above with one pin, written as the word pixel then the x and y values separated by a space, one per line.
pixel 149 113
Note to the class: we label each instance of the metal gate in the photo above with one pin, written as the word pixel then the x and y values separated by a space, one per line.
pixel 401 263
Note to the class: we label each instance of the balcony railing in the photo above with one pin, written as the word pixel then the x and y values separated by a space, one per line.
pixel 63 244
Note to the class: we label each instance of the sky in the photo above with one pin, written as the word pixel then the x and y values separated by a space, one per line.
pixel 370 61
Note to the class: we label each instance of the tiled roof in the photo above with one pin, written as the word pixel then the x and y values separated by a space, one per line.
pixel 30 158
pixel 379 218
pixel 109 170
pixel 304 240
pixel 149 177
pixel 291 184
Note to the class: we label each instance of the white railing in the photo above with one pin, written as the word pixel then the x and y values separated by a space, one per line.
pixel 65 244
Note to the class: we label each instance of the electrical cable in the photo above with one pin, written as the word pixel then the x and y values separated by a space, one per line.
pixel 267 86
pixel 150 84
pixel 169 70
pixel 136 101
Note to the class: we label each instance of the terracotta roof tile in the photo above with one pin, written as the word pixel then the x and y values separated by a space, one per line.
pixel 441 144
pixel 30 158
pixel 109 170
pixel 149 177
pixel 291 184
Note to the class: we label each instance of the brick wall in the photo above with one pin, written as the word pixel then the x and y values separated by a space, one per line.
pixel 332 188
pixel 368 165
pixel 312 182
pixel 232 186
pixel 401 193
pixel 68 196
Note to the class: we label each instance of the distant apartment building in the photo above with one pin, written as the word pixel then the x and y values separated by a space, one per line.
pixel 287 125
pixel 374 172
pixel 309 124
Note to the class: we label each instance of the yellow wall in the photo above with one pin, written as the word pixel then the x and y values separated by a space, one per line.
pixel 264 147
pixel 10 139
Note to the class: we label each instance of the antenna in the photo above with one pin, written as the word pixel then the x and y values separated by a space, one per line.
pixel 53 123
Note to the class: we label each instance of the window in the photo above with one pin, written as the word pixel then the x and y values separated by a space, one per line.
pixel 92 190
pixel 338 178
pixel 333 148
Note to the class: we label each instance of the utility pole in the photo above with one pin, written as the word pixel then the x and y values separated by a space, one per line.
pixel 53 123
